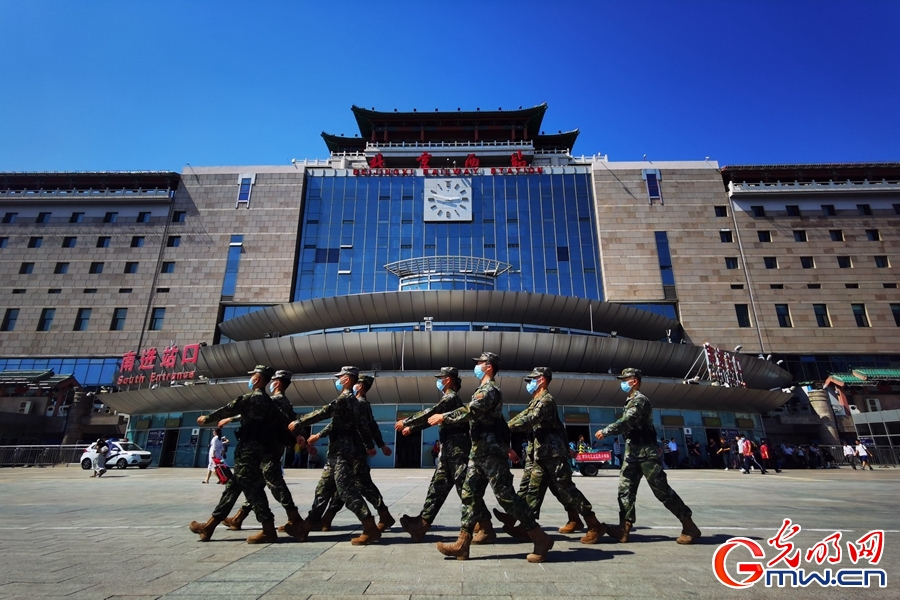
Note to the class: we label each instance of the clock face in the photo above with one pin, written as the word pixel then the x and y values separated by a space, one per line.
pixel 448 200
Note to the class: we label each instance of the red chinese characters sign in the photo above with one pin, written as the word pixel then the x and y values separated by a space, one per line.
pixel 150 360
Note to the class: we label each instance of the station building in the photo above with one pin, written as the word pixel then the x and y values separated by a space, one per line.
pixel 429 237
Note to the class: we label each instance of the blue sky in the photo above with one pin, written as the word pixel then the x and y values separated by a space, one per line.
pixel 154 85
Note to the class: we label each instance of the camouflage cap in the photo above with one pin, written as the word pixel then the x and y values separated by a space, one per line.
pixel 629 373
pixel 448 372
pixel 536 372
pixel 283 375
pixel 263 370
pixel 348 371
pixel 488 357
pixel 367 380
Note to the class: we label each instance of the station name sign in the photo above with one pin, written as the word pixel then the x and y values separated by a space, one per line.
pixel 155 367
pixel 454 172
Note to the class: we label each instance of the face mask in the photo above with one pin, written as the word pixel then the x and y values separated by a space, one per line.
pixel 531 386
pixel 356 390
pixel 250 385
pixel 479 372
pixel 338 386
pixel 440 386
pixel 626 387
pixel 271 388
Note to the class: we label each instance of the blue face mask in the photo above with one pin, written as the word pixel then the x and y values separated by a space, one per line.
pixel 479 372
pixel 271 388
pixel 440 386
pixel 356 390
pixel 250 385
pixel 626 387
pixel 338 386
pixel 531 386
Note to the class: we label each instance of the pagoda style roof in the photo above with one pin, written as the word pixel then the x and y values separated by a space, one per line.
pixel 812 172
pixel 98 180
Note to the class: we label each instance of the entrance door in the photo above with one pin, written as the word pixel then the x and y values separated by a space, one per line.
pixel 409 450
pixel 170 444
pixel 715 460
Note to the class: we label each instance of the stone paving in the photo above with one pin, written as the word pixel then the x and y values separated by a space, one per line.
pixel 65 535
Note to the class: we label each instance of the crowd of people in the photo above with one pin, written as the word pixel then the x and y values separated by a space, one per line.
pixel 474 452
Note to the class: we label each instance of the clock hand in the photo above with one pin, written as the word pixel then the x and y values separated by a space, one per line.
pixel 444 197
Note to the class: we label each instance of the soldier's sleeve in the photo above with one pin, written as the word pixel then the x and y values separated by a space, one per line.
pixel 482 401
pixel 326 431
pixel 231 409
pixel 526 419
pixel 626 422
pixel 419 421
pixel 373 426
pixel 320 414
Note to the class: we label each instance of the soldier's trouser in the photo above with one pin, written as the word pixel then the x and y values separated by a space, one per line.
pixel 325 492
pixel 652 470
pixel 450 473
pixel 274 476
pixel 345 470
pixel 492 469
pixel 248 478
pixel 367 488
pixel 555 474
pixel 537 496
pixel 527 466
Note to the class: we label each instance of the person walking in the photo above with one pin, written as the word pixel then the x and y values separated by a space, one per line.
pixel 673 454
pixel 746 449
pixel 99 462
pixel 765 455
pixel 489 463
pixel 216 447
pixel 642 461
pixel 863 455
pixel 850 455
pixel 725 452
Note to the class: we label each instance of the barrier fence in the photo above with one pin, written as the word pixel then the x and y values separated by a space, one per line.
pixel 41 456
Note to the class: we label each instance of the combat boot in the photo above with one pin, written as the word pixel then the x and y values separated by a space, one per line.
pixel 460 549
pixel 234 523
pixel 370 533
pixel 205 529
pixel 294 527
pixel 689 532
pixel 416 527
pixel 268 535
pixel 574 523
pixel 620 531
pixel 542 544
pixel 509 526
pixel 327 518
pixel 595 531
pixel 484 533
pixel 385 520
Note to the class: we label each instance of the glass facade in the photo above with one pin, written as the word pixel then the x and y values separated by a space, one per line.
pixel 91 373
pixel 543 225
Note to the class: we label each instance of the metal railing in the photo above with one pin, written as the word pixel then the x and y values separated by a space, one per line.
pixel 833 456
pixel 41 456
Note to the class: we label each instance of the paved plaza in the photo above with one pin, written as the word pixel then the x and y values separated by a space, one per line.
pixel 65 535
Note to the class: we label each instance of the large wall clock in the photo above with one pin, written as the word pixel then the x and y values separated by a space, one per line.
pixel 448 199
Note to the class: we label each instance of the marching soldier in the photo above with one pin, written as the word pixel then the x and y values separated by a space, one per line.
pixel 489 463
pixel 642 460
pixel 452 462
pixel 262 425
pixel 551 466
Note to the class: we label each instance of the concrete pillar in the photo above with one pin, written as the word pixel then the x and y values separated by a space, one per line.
pixel 828 433
pixel 78 413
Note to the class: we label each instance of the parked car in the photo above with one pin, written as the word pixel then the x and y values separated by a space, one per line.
pixel 121 455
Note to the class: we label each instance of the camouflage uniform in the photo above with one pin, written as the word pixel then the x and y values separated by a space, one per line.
pixel 488 458
pixel 642 459
pixel 454 458
pixel 263 424
pixel 550 467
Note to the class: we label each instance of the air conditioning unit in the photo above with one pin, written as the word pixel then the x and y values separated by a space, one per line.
pixel 854 410
pixel 873 404
pixel 25 407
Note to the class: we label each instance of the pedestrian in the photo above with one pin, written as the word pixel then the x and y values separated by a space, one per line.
pixel 695 457
pixel 850 455
pixel 435 452
pixel 216 447
pixel 666 453
pixel 725 452
pixel 583 445
pixel 765 455
pixel 746 447
pixel 488 463
pixel 815 457
pixel 642 461
pixel 451 461
pixel 863 455
pixel 262 421
pixel 712 450
pixel 102 452
pixel 551 469
pixel 297 461
pixel 673 454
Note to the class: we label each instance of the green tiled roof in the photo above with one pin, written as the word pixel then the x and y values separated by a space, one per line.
pixel 877 373
pixel 23 377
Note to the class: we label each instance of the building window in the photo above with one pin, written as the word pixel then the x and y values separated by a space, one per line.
pixel 764 236
pixel 90 291
pixel 837 235
pixel 131 267
pixel 22 290
pixel 125 290
pixel 822 318
pixel 118 319
pixel 162 290
pixel 814 286
pixel 859 313
pixel 61 268
pixel 731 262
pixel 725 237
pixel 111 217
pixel 882 262
pixel 35 242
pixel 54 291
pixel 771 262
pixel 888 286
pixel 864 209
pixel 232 265
pixel 82 319
pixel 43 217
pixel 96 267
pixel 26 268
pixel 156 320
pixel 792 210
pixel 758 211
pixel 784 315
pixel 652 177
pixel 12 315
pixel 10 217
pixel 46 319
pixel 69 242
pixel 737 286
pixel 873 235
pixel 665 261
pixel 799 235
pixel 103 241
pixel 77 217
pixel 807 262
pixel 143 217
pixel 776 286
pixel 137 241
pixel 178 216
pixel 562 253
pixel 895 310
pixel 844 262
pixel 721 211
pixel 174 241
pixel 743 315
pixel 828 210
pixel 851 286
pixel 3 242
pixel 167 267
pixel 328 255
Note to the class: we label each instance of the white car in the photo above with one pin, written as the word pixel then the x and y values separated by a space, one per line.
pixel 121 455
